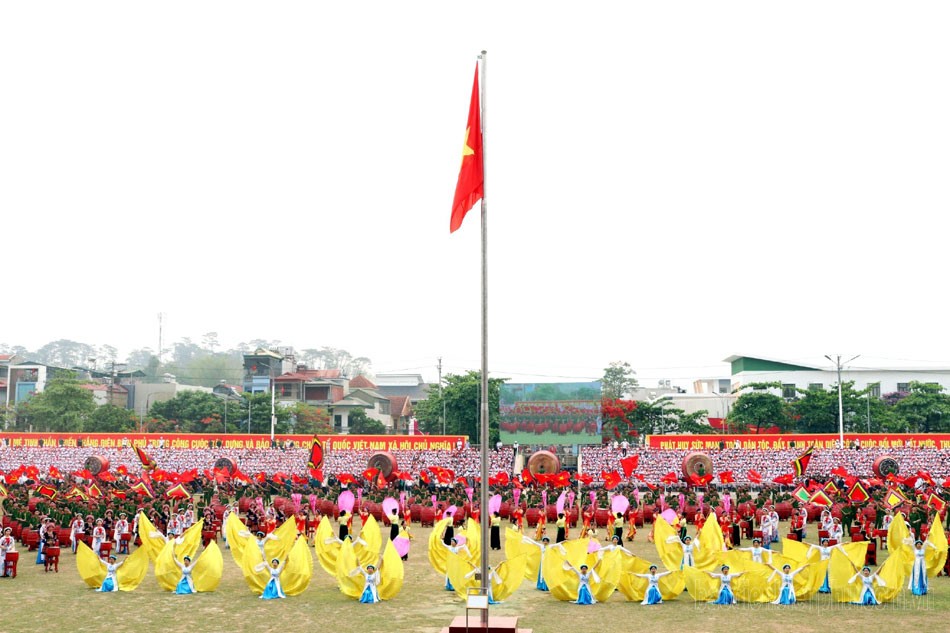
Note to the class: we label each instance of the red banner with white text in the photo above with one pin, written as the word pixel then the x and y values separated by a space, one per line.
pixel 783 441
pixel 234 441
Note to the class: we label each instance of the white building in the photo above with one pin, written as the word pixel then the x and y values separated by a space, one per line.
pixel 792 376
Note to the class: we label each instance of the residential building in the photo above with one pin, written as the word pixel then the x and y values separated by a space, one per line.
pixel 412 386
pixel 793 375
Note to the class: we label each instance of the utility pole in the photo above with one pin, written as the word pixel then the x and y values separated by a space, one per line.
pixel 837 361
pixel 440 394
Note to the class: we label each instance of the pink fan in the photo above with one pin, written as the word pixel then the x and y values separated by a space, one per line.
pixel 296 498
pixel 468 493
pixel 727 503
pixel 682 502
pixel 570 499
pixel 313 503
pixel 450 511
pixel 544 500
pixel 699 499
pixel 619 503
pixel 345 501
pixel 460 540
pixel 559 504
pixel 494 504
pixel 401 543
pixel 433 501
pixel 669 515
pixel 402 499
pixel 390 506
pixel 592 546
pixel 515 496
pixel 593 499
pixel 359 497
pixel 636 496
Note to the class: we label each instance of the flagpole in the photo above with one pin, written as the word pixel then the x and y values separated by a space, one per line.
pixel 483 440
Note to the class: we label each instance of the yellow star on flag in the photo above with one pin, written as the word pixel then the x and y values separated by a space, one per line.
pixel 466 148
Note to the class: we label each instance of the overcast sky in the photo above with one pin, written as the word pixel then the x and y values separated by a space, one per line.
pixel 669 182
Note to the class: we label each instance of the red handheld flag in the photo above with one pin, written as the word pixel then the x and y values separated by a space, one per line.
pixel 629 464
pixel 471 182
pixel 316 453
pixel 800 463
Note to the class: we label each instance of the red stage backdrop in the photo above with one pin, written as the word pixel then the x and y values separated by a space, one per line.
pixel 801 442
pixel 186 440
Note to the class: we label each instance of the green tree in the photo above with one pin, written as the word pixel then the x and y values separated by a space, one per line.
pixel 758 408
pixel 260 404
pixel 191 411
pixel 816 411
pixel 310 419
pixel 660 417
pixel 618 381
pixel 362 424
pixel 111 419
pixel 462 396
pixel 62 406
pixel 926 409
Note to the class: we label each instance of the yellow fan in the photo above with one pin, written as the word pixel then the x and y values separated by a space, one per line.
pixel 701 586
pixel 166 571
pixel 208 569
pixel 327 546
pixel 459 570
pixel 711 544
pixel 563 583
pixel 238 536
pixel 511 573
pixel 133 570
pixel 473 539
pixel 254 569
pixel 299 568
pixel 671 553
pixel 90 567
pixel 152 540
pixel 799 552
pixel 368 545
pixel 936 558
pixel 437 553
pixel 346 564
pixel 898 536
pixel 634 587
pixel 129 574
pixel 391 573
pixel 806 582
pixel 280 541
pixel 841 570
pixel 609 572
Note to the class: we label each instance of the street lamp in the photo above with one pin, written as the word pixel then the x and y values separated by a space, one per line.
pixel 838 363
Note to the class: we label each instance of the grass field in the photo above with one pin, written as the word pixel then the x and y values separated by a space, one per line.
pixel 37 601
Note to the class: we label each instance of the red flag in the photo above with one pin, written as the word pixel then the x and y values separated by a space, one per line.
pixel 142 489
pixel 93 491
pixel 562 479
pixel 239 475
pixel 188 475
pixel 122 470
pixel 316 453
pixel 936 502
pixel 784 479
pixel 316 473
pixel 32 472
pixel 526 476
pixel 821 499
pixel 346 478
pixel 754 477
pixel 471 182
pixel 106 476
pixel 611 479
pixel 47 491
pixel 370 474
pixel 629 464
pixel 423 477
pixel 669 478
pixel 585 479
pixel 147 462
pixel 118 494
pixel 858 493
pixel 260 477
pixel 700 480
pixel 800 463
pixel 727 477
pixel 54 473
pixel 840 471
pixel 177 492
pixel 923 474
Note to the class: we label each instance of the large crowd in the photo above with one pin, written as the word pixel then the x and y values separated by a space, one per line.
pixel 465 462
